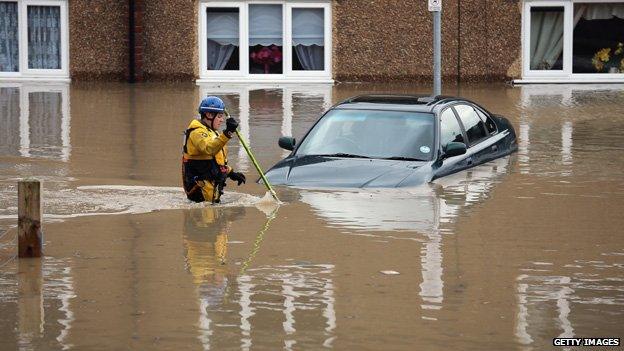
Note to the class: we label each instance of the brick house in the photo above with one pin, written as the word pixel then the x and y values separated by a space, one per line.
pixel 315 41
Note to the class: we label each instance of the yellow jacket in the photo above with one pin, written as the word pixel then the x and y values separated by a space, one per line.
pixel 206 144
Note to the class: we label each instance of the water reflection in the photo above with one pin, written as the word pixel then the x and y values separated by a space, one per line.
pixel 235 305
pixel 302 103
pixel 550 305
pixel 422 209
pixel 245 293
pixel 40 292
pixel 584 116
pixel 36 122
pixel 205 243
pixel 420 214
pixel 299 295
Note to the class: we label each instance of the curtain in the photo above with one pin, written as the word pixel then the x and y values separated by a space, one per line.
pixel 547 30
pixel 44 37
pixel 546 38
pixel 309 37
pixel 265 25
pixel 600 11
pixel 223 37
pixel 9 55
pixel 222 27
pixel 219 55
pixel 312 57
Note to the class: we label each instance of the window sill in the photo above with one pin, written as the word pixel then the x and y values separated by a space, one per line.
pixel 574 80
pixel 251 81
pixel 9 79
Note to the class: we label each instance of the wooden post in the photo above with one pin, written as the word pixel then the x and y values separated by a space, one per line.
pixel 29 218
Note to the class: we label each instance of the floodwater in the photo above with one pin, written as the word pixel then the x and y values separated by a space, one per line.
pixel 505 256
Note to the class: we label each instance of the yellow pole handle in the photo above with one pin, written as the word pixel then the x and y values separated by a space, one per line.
pixel 255 163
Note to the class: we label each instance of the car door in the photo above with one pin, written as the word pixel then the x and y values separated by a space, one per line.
pixel 480 148
pixel 450 131
pixel 496 139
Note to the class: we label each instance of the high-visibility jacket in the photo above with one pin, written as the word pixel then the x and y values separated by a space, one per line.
pixel 204 162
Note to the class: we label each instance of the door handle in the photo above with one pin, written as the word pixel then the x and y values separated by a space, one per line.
pixel 469 160
pixel 494 147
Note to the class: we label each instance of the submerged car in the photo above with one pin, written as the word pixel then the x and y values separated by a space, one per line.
pixel 393 141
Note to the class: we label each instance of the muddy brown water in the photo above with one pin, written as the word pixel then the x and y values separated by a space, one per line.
pixel 507 255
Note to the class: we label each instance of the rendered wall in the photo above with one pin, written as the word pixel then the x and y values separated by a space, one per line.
pixel 490 39
pixel 98 34
pixel 171 49
pixel 386 40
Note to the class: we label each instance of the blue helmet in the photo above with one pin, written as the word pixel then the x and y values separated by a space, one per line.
pixel 211 104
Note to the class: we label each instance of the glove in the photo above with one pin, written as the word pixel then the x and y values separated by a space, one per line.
pixel 237 177
pixel 231 125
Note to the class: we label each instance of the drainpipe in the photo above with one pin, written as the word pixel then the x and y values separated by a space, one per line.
pixel 131 41
pixel 135 40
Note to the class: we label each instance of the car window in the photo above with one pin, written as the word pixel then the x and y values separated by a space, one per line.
pixel 449 128
pixel 372 133
pixel 489 122
pixel 474 126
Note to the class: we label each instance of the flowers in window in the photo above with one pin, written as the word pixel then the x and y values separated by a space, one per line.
pixel 609 60
pixel 267 56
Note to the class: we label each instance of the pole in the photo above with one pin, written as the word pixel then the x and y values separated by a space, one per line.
pixel 437 53
pixel 255 163
pixel 29 218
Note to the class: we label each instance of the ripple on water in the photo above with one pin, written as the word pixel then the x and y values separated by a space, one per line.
pixel 566 296
pixel 122 199
pixel 298 295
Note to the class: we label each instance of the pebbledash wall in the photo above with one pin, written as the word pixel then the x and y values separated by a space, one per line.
pixel 98 39
pixel 392 40
pixel 371 40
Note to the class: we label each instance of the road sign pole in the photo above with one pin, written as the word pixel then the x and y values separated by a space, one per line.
pixel 435 6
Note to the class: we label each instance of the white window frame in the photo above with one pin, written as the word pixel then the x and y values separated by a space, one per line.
pixel 26 73
pixel 326 36
pixel 566 75
pixel 243 75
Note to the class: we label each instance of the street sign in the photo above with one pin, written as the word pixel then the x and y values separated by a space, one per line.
pixel 435 5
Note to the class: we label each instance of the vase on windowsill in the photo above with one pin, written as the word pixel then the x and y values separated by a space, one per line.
pixel 609 60
pixel 267 57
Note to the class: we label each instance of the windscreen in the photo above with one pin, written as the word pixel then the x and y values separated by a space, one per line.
pixel 370 133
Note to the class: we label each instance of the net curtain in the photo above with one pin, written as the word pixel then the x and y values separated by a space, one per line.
pixel 265 25
pixel 9 43
pixel 308 37
pixel 44 37
pixel 222 34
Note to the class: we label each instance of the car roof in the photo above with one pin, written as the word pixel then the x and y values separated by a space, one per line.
pixel 398 102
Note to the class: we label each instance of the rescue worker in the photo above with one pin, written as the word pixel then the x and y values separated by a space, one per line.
pixel 204 162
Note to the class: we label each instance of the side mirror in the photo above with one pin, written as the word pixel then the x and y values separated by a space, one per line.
pixel 454 149
pixel 286 143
